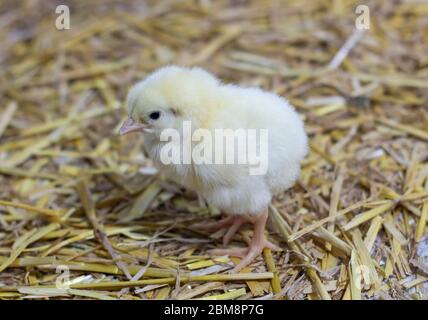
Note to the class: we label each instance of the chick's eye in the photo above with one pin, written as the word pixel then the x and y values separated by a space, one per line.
pixel 154 115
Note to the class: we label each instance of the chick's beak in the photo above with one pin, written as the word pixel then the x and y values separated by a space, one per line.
pixel 131 126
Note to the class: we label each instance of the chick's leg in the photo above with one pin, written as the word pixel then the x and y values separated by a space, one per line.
pixel 233 223
pixel 237 222
pixel 258 243
pixel 213 226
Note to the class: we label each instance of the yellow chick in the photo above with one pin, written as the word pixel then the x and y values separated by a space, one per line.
pixel 172 98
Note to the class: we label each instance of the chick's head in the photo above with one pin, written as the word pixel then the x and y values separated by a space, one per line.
pixel 170 96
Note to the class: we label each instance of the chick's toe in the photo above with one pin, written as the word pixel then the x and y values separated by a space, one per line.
pixel 256 246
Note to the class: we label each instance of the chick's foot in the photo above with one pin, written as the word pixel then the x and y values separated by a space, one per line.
pixel 255 248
